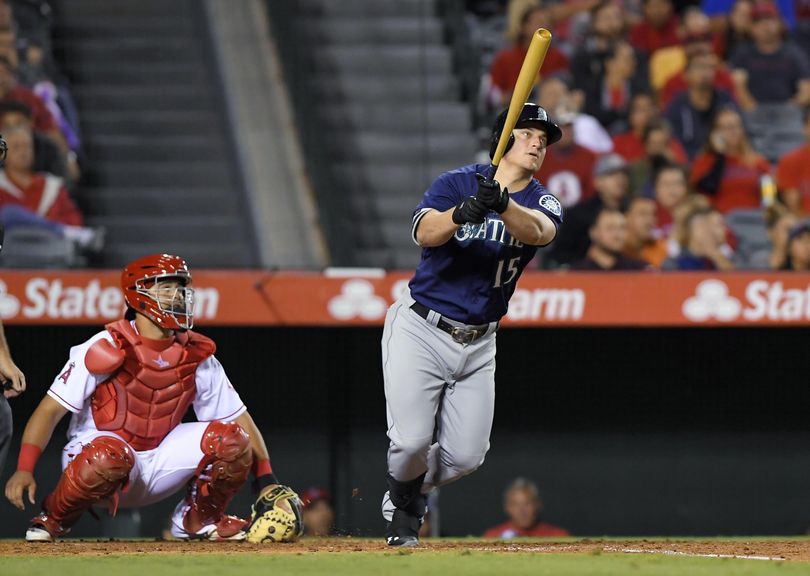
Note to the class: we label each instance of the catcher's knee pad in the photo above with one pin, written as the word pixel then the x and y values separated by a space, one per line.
pixel 95 474
pixel 225 466
pixel 408 495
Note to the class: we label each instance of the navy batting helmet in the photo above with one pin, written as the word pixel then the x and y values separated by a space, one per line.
pixel 531 115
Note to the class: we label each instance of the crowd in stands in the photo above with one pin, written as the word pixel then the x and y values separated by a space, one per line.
pixel 38 120
pixel 686 132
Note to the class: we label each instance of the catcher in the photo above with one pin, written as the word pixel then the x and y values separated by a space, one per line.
pixel 128 388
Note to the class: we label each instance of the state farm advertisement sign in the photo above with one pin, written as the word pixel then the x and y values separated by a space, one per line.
pixel 361 297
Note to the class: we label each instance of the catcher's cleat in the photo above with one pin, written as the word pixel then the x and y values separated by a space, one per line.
pixel 226 528
pixel 44 528
pixel 403 530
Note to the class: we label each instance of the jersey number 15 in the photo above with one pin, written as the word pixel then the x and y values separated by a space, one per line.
pixel 506 276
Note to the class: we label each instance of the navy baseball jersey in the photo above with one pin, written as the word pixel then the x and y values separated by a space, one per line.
pixel 471 277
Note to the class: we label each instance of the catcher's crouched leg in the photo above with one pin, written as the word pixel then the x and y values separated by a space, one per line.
pixel 278 516
pixel 222 471
pixel 95 474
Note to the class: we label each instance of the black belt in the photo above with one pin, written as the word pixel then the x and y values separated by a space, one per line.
pixel 460 335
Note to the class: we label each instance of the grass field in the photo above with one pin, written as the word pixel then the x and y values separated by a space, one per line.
pixel 358 557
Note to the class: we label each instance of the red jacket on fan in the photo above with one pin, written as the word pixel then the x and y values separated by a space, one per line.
pixel 505 68
pixel 45 196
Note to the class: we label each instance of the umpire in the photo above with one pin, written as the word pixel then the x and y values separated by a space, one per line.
pixel 12 381
pixel 477 231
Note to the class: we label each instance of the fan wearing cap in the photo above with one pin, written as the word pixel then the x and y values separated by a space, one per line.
pixel 477 231
pixel 128 388
pixel 611 181
pixel 769 70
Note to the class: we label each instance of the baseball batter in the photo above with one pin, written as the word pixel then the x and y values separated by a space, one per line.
pixel 128 388
pixel 438 345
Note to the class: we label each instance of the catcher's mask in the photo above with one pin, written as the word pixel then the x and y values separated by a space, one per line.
pixel 157 286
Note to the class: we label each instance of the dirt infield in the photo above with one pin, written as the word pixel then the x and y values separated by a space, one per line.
pixel 790 550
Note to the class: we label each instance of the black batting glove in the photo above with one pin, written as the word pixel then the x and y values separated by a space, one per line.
pixel 491 195
pixel 470 210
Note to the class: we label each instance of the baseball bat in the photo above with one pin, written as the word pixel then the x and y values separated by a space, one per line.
pixel 525 82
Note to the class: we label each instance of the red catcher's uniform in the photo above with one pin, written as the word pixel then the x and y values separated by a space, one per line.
pixel 152 387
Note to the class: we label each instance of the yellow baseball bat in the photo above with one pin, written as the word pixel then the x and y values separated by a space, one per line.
pixel 523 87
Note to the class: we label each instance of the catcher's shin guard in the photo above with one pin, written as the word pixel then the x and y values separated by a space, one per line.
pixel 95 474
pixel 222 471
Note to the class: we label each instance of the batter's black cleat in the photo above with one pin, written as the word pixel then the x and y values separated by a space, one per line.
pixel 403 530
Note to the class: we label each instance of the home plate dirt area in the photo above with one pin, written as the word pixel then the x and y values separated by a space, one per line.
pixel 791 550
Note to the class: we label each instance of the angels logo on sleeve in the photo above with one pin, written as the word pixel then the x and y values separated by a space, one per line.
pixel 66 374
pixel 551 204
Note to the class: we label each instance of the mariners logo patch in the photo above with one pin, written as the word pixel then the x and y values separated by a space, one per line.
pixel 551 204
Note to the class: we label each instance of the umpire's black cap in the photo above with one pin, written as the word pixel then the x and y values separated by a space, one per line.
pixel 531 115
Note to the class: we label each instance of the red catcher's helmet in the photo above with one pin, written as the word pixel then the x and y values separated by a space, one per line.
pixel 173 310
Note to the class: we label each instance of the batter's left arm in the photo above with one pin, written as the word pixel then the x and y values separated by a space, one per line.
pixel 261 457
pixel 531 227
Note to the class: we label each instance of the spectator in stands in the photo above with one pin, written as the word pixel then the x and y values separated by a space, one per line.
pixel 630 144
pixel 506 65
pixel 39 200
pixel 41 76
pixel 554 94
pixel 701 244
pixel 8 45
pixel 728 171
pixel 769 70
pixel 793 175
pixel 659 28
pixel 567 171
pixel 798 248
pixel 667 62
pixel 608 236
pixel 607 28
pixel 691 112
pixel 641 243
pixel 609 100
pixel 611 184
pixel 47 156
pixel 522 505
pixel 44 122
pixel 779 221
pixel 736 27
pixel 319 517
pixel 677 84
pixel 659 149
pixel 670 190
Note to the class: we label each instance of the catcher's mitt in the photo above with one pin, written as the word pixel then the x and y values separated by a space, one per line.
pixel 277 517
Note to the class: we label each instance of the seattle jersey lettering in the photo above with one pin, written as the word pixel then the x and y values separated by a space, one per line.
pixel 471 277
pixel 493 230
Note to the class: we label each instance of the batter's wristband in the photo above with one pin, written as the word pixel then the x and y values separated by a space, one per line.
pixel 29 454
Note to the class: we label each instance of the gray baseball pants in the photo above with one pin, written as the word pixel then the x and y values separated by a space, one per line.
pixel 440 396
